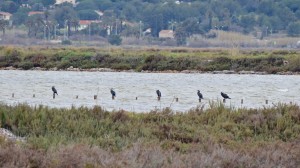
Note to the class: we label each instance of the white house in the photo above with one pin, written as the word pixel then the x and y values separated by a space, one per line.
pixel 5 16
pixel 166 34
pixel 62 1
pixel 83 24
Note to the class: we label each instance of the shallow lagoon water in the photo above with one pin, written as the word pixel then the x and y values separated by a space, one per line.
pixel 253 89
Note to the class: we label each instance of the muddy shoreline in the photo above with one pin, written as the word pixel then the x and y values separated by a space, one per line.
pixel 146 71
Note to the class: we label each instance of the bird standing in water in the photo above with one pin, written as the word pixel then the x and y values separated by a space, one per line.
pixel 199 95
pixel 225 96
pixel 158 94
pixel 54 92
pixel 113 93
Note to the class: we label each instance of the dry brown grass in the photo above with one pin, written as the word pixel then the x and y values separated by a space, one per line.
pixel 277 154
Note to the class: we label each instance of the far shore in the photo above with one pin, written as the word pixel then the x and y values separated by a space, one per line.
pixel 147 71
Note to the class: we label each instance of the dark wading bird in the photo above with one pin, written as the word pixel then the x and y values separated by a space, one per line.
pixel 199 95
pixel 158 94
pixel 54 92
pixel 225 96
pixel 113 93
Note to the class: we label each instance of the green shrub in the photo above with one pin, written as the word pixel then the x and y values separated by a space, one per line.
pixel 294 64
pixel 64 65
pixel 26 65
pixel 121 66
pixel 66 42
pixel 86 64
pixel 36 59
pixel 12 56
pixel 115 39
pixel 49 65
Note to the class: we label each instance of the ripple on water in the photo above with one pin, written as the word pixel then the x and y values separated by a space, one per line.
pixel 254 89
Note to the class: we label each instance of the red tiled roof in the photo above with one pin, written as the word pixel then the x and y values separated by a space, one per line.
pixel 5 13
pixel 85 22
pixel 35 13
pixel 88 22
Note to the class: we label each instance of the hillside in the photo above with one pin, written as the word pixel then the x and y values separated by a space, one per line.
pixel 136 18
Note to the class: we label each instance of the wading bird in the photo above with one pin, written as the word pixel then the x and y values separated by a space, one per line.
pixel 158 94
pixel 54 92
pixel 225 96
pixel 199 95
pixel 113 93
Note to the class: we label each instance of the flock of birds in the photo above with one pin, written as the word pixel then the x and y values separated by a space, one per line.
pixel 113 94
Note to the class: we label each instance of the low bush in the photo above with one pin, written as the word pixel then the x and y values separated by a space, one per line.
pixel 66 42
pixel 26 65
pixel 64 65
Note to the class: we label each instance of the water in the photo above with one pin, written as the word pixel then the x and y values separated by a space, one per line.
pixel 253 89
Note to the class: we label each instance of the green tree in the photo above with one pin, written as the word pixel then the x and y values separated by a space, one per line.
pixel 37 7
pixel 153 18
pixel 104 4
pixel 86 5
pixel 130 11
pixel 20 16
pixel 32 2
pixel 65 15
pixel 293 29
pixel 115 39
pixel 48 2
pixel 248 22
pixel 276 23
pixel 3 25
pixel 94 29
pixel 88 15
pixel 109 20
pixel 294 5
pixel 35 24
pixel 191 26
pixel 9 6
pixel 267 7
pixel 286 15
pixel 131 31
pixel 180 35
pixel 297 14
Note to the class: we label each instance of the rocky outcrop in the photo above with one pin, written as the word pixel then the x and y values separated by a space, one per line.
pixel 9 136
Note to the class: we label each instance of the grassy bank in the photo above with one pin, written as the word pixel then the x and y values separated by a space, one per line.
pixel 151 59
pixel 93 137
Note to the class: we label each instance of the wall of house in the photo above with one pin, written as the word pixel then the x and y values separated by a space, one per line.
pixel 5 17
pixel 62 1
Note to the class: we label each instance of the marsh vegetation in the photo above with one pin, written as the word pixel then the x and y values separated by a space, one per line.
pixel 151 59
pixel 93 137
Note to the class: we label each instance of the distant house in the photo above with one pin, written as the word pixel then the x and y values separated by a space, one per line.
pixel 35 13
pixel 5 16
pixel 83 24
pixel 63 1
pixel 166 34
pixel 25 6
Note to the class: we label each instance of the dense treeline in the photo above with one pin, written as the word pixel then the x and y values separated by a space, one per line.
pixel 185 17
